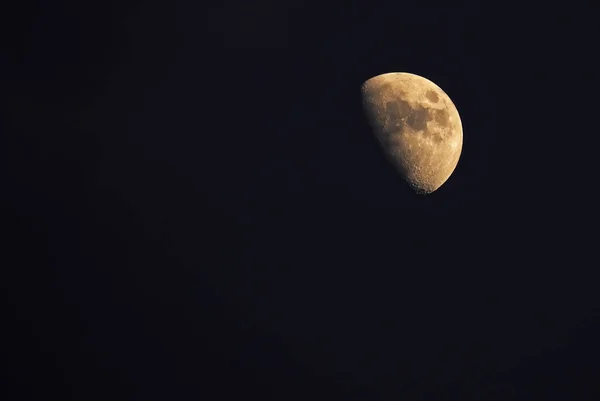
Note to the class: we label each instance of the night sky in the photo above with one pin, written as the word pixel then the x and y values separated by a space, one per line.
pixel 194 207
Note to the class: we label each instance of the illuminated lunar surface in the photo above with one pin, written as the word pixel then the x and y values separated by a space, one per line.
pixel 417 125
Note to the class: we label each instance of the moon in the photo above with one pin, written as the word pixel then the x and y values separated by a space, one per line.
pixel 417 125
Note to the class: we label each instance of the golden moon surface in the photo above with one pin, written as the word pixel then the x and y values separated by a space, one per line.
pixel 417 126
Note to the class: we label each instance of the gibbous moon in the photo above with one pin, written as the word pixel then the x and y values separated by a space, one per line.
pixel 417 126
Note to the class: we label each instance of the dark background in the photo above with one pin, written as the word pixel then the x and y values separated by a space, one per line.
pixel 193 207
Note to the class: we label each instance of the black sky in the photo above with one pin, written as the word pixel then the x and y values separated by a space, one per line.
pixel 194 207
